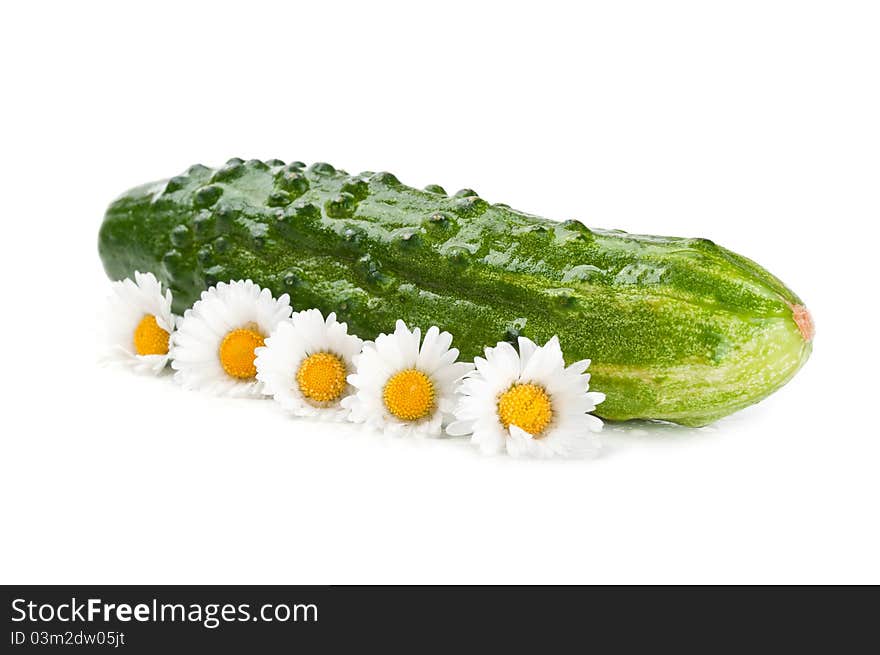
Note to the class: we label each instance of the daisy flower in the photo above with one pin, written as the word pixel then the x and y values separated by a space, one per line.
pixel 406 386
pixel 528 403
pixel 213 348
pixel 305 362
pixel 138 324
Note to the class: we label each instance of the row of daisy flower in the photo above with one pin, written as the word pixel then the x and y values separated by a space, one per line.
pixel 238 340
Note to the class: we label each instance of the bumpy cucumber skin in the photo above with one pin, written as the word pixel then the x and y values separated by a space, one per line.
pixel 677 329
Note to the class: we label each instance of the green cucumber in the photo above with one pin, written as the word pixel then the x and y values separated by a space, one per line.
pixel 678 329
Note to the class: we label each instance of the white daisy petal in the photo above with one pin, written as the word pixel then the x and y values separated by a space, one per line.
pixel 137 324
pixel 520 443
pixel 545 361
pixel 435 352
pixel 506 359
pixel 596 397
pixel 490 442
pixel 449 374
pixel 579 441
pixel 579 367
pixel 407 341
pixel 594 423
pixel 426 355
pixel 239 311
pixel 527 348
pixel 460 428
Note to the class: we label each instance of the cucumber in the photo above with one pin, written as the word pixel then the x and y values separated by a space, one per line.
pixel 678 329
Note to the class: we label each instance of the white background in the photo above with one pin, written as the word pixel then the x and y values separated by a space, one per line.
pixel 756 124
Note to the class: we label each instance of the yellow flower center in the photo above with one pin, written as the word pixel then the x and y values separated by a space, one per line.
pixel 526 406
pixel 237 352
pixel 149 338
pixel 409 395
pixel 321 377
